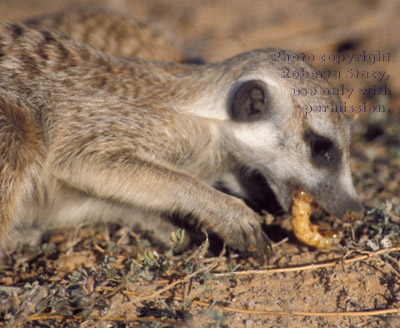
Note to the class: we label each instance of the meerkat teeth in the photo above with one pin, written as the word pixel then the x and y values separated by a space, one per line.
pixel 308 233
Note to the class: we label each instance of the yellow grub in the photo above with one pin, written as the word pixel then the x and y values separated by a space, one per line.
pixel 303 229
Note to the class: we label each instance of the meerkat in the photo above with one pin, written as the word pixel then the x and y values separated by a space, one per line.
pixel 88 137
pixel 114 33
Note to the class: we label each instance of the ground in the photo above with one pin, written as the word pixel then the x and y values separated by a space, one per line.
pixel 110 276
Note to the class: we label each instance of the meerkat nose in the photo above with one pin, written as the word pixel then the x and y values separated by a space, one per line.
pixel 352 204
pixel 356 207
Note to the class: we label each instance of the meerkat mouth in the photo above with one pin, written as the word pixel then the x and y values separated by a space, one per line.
pixel 317 212
pixel 258 194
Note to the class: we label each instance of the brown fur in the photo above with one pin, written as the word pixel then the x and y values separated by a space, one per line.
pixel 114 33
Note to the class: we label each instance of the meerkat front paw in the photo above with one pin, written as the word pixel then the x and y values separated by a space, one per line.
pixel 242 231
pixel 249 238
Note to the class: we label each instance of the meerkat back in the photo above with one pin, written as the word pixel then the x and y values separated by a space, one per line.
pixel 114 33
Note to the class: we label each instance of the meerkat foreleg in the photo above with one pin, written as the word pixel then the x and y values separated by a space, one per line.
pixel 123 177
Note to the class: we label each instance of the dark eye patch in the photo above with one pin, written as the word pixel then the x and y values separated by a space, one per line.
pixel 324 153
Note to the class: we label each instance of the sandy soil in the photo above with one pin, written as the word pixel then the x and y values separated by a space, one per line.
pixel 89 277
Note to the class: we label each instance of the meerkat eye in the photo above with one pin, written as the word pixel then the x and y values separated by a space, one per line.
pixel 323 151
pixel 321 148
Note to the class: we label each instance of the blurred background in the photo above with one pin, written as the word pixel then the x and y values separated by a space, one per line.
pixel 217 29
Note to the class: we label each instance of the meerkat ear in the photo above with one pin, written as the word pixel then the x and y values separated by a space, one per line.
pixel 250 102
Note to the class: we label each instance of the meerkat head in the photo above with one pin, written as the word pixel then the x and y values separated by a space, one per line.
pixel 294 141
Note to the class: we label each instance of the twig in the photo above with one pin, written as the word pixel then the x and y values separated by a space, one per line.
pixel 275 313
pixel 223 308
pixel 310 266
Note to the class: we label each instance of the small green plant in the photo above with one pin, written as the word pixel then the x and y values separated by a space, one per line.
pixel 150 265
pixel 232 268
pixel 31 286
pixel 384 229
pixel 177 238
pixel 47 249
